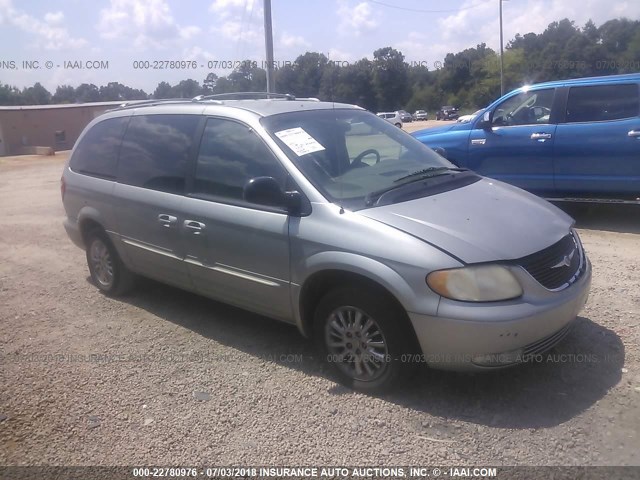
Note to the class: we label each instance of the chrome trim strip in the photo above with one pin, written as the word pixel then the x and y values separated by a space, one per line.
pixel 235 273
pixel 149 248
pixel 595 200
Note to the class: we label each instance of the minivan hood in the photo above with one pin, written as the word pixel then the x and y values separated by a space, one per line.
pixel 482 222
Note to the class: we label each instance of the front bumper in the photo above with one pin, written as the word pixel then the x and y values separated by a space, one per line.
pixel 477 336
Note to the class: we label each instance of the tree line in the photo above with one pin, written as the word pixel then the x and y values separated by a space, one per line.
pixel 469 79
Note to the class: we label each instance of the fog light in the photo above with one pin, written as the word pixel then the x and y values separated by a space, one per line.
pixel 498 359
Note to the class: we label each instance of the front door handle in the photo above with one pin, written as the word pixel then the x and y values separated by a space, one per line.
pixel 634 133
pixel 166 220
pixel 194 226
pixel 540 136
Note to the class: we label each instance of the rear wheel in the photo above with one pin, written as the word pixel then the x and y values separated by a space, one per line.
pixel 107 271
pixel 364 336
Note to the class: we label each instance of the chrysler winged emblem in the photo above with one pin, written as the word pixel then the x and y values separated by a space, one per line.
pixel 566 261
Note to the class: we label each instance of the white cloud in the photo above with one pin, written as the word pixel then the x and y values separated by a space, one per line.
pixel 189 32
pixel 239 32
pixel 288 40
pixel 241 23
pixel 198 54
pixel 339 55
pixel 227 8
pixel 52 18
pixel 48 33
pixel 471 26
pixel 356 19
pixel 146 23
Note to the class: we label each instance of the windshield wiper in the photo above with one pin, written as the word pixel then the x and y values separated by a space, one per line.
pixel 430 172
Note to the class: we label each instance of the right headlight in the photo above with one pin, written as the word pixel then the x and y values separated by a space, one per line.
pixel 482 283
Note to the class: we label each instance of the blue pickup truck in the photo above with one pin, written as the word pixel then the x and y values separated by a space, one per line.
pixel 564 140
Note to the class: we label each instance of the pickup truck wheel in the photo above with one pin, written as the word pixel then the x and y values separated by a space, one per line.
pixel 107 271
pixel 363 336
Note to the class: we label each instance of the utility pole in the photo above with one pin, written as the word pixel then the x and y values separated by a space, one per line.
pixel 268 43
pixel 501 53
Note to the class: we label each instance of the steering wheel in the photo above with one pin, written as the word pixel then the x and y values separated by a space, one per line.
pixel 357 162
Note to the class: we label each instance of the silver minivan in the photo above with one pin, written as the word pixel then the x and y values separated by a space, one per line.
pixel 327 217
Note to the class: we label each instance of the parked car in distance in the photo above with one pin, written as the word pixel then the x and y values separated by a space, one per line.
pixel 420 115
pixel 391 117
pixel 573 140
pixel 469 117
pixel 279 207
pixel 405 116
pixel 447 112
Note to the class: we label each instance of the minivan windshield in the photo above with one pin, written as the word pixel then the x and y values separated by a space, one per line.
pixel 352 156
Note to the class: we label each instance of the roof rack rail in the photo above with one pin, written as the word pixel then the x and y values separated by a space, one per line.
pixel 151 102
pixel 243 96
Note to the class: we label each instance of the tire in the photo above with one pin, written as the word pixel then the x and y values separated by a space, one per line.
pixel 108 273
pixel 399 125
pixel 377 367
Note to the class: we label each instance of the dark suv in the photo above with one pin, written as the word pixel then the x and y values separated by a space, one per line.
pixel 447 112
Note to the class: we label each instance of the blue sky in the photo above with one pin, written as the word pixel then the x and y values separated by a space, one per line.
pixel 123 31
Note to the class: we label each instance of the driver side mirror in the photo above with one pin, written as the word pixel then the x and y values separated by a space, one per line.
pixel 487 121
pixel 266 191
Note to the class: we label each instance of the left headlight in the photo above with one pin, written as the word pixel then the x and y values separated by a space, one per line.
pixel 482 283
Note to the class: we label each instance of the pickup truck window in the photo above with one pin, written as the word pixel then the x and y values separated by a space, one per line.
pixel 526 108
pixel 602 102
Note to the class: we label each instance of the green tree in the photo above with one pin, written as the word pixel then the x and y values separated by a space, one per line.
pixel 186 89
pixel 64 94
pixel 209 83
pixel 87 92
pixel 163 90
pixel 36 95
pixel 390 78
pixel 10 95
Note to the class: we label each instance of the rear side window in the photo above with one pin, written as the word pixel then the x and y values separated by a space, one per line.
pixel 230 155
pixel 97 152
pixel 155 151
pixel 602 102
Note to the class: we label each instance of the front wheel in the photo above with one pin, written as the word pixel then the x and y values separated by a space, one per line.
pixel 107 271
pixel 364 337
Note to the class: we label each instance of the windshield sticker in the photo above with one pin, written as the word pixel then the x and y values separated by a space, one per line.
pixel 298 140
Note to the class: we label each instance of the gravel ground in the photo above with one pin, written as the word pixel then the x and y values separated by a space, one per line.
pixel 163 377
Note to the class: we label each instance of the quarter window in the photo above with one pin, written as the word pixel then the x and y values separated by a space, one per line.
pixel 526 108
pixel 230 155
pixel 97 152
pixel 155 151
pixel 602 102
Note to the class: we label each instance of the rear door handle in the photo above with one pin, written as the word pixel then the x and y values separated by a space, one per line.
pixel 167 220
pixel 634 133
pixel 541 136
pixel 194 226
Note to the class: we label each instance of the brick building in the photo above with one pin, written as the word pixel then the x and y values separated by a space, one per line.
pixel 22 128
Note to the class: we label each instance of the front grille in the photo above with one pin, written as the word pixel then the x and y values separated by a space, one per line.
pixel 546 343
pixel 557 266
